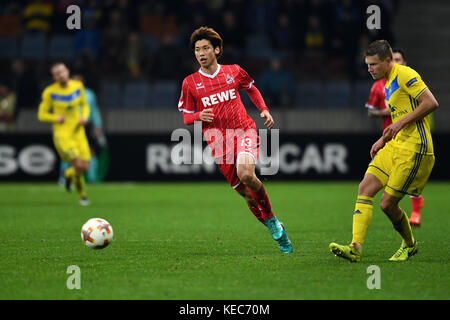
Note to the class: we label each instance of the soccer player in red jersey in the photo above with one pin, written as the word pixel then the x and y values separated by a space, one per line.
pixel 211 96
pixel 377 108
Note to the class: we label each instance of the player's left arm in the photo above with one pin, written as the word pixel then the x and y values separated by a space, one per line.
pixel 247 84
pixel 413 84
pixel 85 109
pixel 258 100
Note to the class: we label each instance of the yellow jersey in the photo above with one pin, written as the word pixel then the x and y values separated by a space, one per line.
pixel 403 86
pixel 69 101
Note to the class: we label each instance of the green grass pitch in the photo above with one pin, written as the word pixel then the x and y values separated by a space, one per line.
pixel 200 241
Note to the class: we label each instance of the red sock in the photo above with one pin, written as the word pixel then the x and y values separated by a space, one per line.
pixel 255 210
pixel 416 204
pixel 263 202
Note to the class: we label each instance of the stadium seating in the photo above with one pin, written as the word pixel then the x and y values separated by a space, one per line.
pixel 33 46
pixel 337 94
pixel 164 94
pixel 152 42
pixel 361 93
pixel 258 46
pixel 135 95
pixel 8 47
pixel 61 47
pixel 110 94
pixel 10 25
pixel 310 94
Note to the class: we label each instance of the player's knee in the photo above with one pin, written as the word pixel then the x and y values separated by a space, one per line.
pixel 246 176
pixel 369 186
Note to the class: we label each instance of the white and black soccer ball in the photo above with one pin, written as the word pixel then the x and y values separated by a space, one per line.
pixel 96 233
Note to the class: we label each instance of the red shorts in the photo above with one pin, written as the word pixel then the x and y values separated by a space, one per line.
pixel 245 144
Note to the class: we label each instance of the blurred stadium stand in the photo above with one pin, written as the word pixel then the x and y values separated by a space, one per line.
pixel 332 83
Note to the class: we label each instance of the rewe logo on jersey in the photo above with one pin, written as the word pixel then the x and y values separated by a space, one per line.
pixel 219 97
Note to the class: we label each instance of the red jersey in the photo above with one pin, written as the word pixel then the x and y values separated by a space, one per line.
pixel 377 99
pixel 219 91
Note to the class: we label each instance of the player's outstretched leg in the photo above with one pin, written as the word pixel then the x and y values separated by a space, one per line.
pixel 246 174
pixel 400 222
pixel 78 180
pixel 362 215
pixel 69 174
pixel 416 204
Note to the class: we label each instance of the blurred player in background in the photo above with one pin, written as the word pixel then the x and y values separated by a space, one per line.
pixel 95 135
pixel 64 104
pixel 401 166
pixel 377 108
pixel 211 96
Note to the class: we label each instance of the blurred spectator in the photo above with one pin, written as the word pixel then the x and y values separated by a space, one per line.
pixel 136 57
pixel 115 34
pixel 277 85
pixel 129 10
pixel 25 86
pixel 314 36
pixel 88 39
pixel 7 106
pixel 260 16
pixel 283 35
pixel 10 8
pixel 229 32
pixel 348 17
pixel 167 60
pixel 37 16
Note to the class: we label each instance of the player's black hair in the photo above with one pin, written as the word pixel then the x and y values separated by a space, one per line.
pixel 57 63
pixel 401 51
pixel 382 48
pixel 205 33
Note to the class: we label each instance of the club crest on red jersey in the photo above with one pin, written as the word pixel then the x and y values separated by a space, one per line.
pixel 230 79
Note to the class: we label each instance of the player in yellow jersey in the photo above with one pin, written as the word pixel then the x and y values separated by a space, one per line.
pixel 401 166
pixel 64 104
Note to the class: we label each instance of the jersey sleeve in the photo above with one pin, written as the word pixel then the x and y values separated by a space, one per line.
pixel 245 81
pixel 186 102
pixel 85 109
pixel 44 112
pixel 374 97
pixel 410 81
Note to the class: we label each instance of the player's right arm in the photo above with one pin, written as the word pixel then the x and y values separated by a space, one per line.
pixel 45 106
pixel 186 104
pixel 411 82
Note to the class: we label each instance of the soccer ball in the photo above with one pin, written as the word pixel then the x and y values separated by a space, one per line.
pixel 97 233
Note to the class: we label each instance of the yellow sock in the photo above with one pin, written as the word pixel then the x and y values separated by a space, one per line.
pixel 403 227
pixel 69 172
pixel 78 181
pixel 361 218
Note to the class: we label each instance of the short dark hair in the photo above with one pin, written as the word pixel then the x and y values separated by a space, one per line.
pixel 401 51
pixel 205 33
pixel 57 63
pixel 382 48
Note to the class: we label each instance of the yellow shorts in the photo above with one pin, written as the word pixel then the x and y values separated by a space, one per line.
pixel 70 148
pixel 401 171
